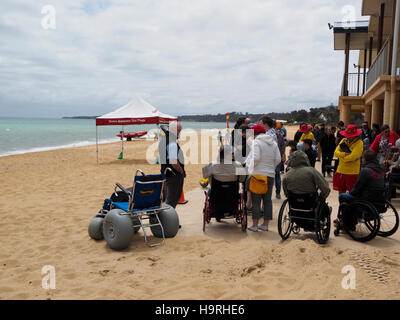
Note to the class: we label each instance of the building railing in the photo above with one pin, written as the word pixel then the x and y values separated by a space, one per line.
pixel 380 66
pixel 355 83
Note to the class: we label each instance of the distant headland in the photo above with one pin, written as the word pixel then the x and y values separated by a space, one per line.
pixel 81 117
pixel 329 115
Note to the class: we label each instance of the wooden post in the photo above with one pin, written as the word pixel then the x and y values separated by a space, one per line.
pixel 365 68
pixel 392 39
pixel 380 30
pixel 346 65
pixel 371 45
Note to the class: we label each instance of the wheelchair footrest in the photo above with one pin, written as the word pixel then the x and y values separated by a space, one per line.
pixel 147 216
pixel 150 225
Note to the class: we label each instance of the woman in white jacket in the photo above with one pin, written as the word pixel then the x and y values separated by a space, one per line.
pixel 263 160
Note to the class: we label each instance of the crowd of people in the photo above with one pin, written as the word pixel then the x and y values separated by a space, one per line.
pixel 357 158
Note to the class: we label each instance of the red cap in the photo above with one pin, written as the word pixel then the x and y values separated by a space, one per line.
pixel 351 131
pixel 258 129
pixel 305 128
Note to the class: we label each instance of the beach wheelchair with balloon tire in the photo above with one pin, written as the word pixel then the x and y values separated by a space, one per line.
pixel 130 209
pixel 225 200
pixel 309 212
pixel 364 220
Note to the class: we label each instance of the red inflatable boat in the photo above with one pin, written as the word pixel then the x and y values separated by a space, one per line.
pixel 130 135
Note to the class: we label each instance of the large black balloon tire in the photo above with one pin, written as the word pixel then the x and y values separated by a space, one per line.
pixel 169 220
pixel 118 229
pixel 95 228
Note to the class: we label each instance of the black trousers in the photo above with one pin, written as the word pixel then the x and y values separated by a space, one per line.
pixel 173 189
pixel 326 160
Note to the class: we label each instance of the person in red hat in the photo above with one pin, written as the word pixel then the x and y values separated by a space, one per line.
pixel 349 152
pixel 307 133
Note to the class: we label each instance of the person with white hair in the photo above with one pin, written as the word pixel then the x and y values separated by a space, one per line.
pixel 225 169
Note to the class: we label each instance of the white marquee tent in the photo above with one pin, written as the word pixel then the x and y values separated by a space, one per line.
pixel 135 112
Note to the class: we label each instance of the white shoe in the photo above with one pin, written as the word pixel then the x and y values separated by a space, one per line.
pixel 254 229
pixel 261 227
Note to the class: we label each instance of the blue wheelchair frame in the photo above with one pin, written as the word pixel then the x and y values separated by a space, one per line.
pixel 144 202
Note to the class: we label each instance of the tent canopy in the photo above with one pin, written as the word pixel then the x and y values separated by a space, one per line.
pixel 137 111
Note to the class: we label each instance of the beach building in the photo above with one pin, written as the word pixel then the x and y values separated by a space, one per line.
pixel 372 87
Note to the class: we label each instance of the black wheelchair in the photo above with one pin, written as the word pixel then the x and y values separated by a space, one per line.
pixel 225 200
pixel 392 183
pixel 364 220
pixel 309 212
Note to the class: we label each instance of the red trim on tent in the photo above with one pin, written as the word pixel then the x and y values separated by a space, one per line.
pixel 132 121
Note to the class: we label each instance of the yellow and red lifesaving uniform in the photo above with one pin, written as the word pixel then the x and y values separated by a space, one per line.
pixel 349 165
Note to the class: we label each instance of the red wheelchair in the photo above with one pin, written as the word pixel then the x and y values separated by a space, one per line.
pixel 225 200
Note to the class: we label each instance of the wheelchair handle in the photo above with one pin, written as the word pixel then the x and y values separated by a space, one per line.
pixel 123 189
pixel 168 169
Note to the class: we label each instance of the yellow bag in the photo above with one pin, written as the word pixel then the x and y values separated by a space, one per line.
pixel 258 184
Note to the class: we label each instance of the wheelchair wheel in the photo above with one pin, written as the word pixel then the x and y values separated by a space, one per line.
pixel 389 221
pixel 117 229
pixel 95 228
pixel 361 221
pixel 323 223
pixel 169 220
pixel 285 226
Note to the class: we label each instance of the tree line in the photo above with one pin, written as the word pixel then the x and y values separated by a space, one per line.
pixel 329 115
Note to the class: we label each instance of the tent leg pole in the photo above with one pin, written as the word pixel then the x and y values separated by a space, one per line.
pixel 97 146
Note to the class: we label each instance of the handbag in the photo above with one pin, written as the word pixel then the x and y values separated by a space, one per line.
pixel 258 184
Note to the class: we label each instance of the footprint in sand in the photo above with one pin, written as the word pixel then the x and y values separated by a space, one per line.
pixel 379 274
pixel 258 266
pixel 104 272
pixel 153 259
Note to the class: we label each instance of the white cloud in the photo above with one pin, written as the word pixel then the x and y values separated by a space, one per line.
pixel 185 57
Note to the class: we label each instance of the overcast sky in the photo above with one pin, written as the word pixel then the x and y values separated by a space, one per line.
pixel 183 56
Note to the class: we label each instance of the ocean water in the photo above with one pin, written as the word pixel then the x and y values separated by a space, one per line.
pixel 23 135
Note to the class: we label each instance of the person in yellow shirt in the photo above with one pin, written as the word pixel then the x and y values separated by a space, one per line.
pixel 349 152
pixel 307 133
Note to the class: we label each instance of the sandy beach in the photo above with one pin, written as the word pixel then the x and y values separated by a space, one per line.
pixel 48 199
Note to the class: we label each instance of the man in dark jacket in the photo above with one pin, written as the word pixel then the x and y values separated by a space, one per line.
pixel 321 135
pixel 172 164
pixel 328 146
pixel 366 135
pixel 311 153
pixel 281 146
pixel 370 182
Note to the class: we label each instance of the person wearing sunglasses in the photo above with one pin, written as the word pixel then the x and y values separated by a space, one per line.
pixel 383 143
